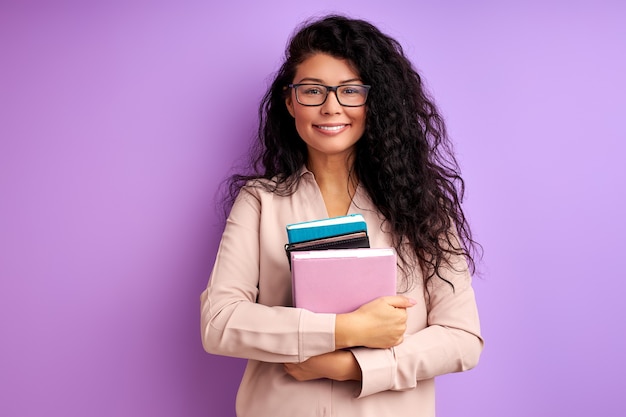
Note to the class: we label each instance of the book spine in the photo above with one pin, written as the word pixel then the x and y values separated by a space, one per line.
pixel 312 233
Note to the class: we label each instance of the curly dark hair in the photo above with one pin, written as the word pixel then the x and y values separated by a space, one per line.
pixel 404 159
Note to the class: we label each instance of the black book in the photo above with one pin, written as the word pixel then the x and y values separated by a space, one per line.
pixel 347 241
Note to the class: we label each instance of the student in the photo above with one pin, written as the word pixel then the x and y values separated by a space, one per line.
pixel 346 127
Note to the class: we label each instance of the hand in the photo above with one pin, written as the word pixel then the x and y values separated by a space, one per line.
pixel 339 365
pixel 378 324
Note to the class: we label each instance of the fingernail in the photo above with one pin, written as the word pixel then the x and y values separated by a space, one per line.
pixel 412 301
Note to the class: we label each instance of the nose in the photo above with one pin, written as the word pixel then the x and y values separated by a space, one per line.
pixel 331 105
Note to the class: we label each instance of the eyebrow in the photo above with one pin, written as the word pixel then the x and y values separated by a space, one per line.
pixel 318 81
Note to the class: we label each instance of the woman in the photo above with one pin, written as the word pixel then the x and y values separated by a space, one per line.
pixel 346 127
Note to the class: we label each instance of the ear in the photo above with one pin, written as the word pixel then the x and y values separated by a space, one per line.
pixel 289 104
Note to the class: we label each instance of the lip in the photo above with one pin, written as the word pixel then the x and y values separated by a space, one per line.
pixel 331 128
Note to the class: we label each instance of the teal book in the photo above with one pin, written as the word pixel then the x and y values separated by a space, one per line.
pixel 324 228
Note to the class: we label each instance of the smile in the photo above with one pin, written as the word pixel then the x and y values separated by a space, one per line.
pixel 331 128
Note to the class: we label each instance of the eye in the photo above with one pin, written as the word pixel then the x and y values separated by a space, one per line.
pixel 311 90
pixel 351 90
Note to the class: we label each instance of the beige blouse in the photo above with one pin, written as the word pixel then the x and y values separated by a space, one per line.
pixel 246 312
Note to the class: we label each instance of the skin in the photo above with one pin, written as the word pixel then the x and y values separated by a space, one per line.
pixel 382 322
pixel 330 151
pixel 378 324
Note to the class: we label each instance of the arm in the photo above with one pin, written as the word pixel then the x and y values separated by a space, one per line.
pixel 378 324
pixel 232 322
pixel 339 365
pixel 451 342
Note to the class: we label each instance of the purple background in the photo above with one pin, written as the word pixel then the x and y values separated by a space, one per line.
pixel 118 120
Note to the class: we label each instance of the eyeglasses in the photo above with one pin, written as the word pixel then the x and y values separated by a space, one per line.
pixel 348 95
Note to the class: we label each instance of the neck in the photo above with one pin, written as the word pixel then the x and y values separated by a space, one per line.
pixel 332 171
pixel 336 181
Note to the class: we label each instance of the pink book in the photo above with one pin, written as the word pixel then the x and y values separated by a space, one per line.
pixel 341 280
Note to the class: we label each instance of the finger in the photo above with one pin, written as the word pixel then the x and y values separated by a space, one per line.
pixel 399 301
pixel 399 341
pixel 289 368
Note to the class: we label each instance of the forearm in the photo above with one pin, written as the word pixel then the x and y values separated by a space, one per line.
pixel 344 334
pixel 447 339
pixel 429 353
pixel 270 334
pixel 339 365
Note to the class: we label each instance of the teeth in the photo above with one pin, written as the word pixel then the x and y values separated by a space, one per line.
pixel 332 128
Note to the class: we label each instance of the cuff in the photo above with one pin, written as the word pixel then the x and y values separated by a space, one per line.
pixel 316 335
pixel 377 367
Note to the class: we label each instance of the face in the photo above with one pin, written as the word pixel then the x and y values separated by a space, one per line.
pixel 330 129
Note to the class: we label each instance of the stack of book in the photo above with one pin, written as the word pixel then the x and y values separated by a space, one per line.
pixel 333 268
pixel 344 232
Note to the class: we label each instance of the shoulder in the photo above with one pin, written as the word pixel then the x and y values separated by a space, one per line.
pixel 262 188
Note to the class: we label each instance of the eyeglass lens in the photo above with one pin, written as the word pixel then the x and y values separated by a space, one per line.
pixel 316 94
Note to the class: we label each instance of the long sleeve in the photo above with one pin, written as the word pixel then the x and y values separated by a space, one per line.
pixel 234 320
pixel 450 342
pixel 245 312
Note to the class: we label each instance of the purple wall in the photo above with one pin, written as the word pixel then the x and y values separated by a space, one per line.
pixel 118 120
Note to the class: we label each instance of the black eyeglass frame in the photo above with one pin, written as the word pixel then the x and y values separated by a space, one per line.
pixel 329 89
